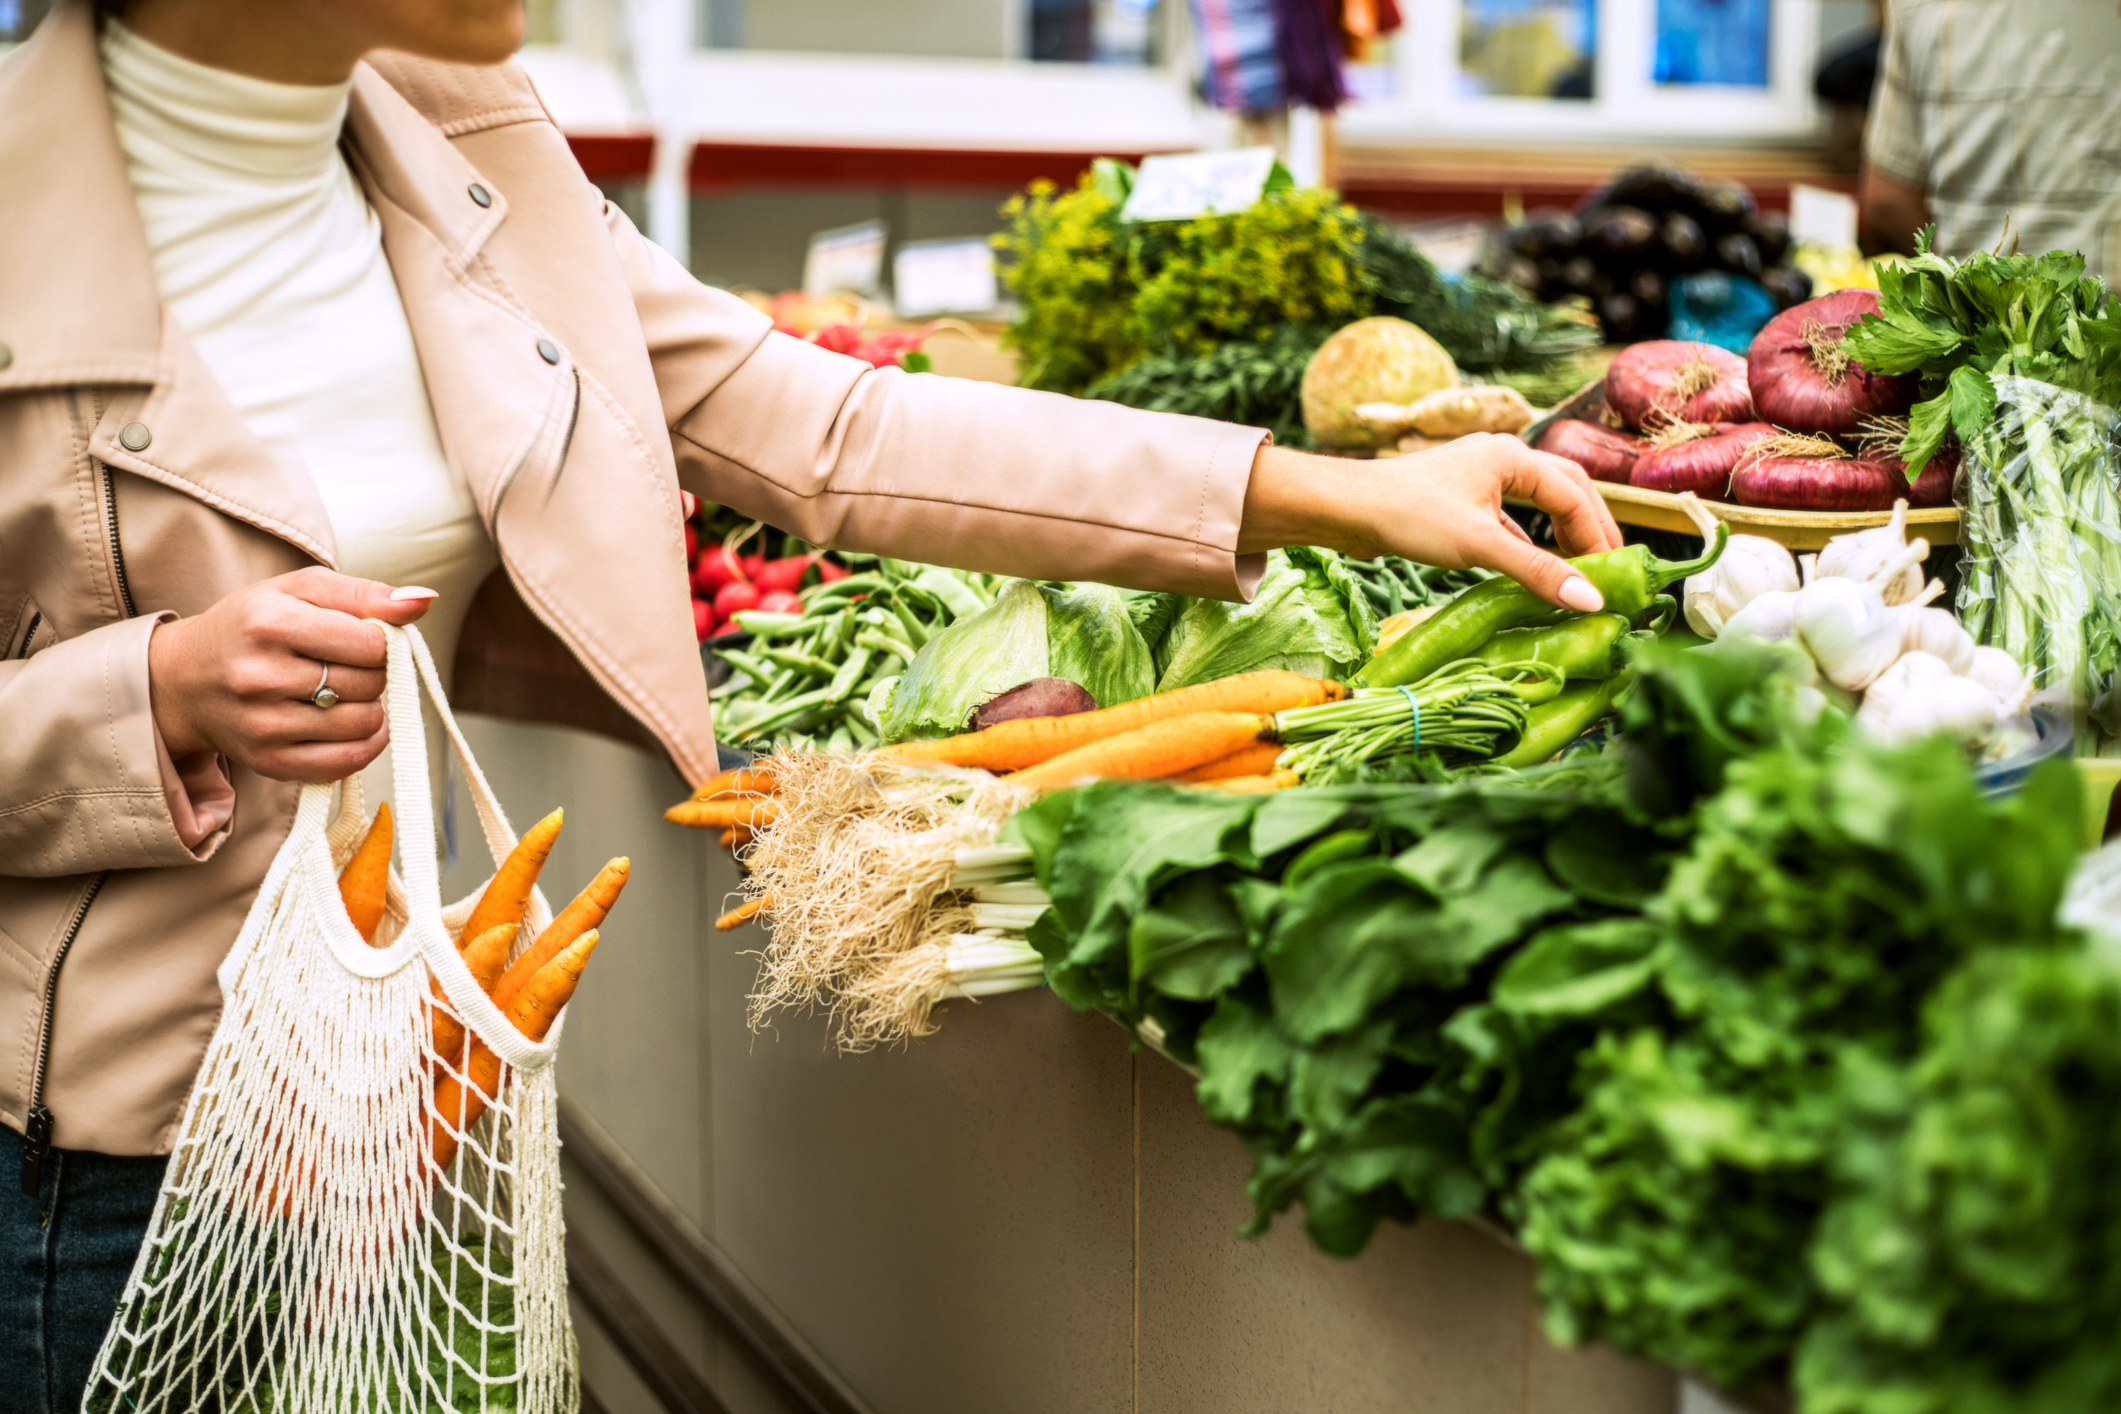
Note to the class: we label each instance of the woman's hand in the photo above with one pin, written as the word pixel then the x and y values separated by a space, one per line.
pixel 1441 507
pixel 237 679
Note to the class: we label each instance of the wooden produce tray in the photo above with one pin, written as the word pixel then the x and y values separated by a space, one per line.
pixel 1799 530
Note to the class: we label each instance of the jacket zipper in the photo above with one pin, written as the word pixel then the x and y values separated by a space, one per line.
pixel 37 1118
pixel 36 621
pixel 117 553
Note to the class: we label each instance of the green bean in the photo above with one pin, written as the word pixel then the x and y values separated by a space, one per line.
pixel 871 638
pixel 799 662
pixel 763 625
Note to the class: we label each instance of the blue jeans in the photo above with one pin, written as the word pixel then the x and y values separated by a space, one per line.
pixel 64 1258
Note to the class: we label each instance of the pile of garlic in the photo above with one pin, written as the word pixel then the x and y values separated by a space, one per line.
pixel 1861 616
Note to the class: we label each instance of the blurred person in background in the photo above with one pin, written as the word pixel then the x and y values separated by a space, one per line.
pixel 308 317
pixel 1995 110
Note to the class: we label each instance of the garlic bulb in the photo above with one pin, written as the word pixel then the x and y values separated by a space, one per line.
pixel 1770 618
pixel 1915 672
pixel 1847 628
pixel 1883 555
pixel 1750 566
pixel 1999 672
pixel 1957 707
pixel 1935 631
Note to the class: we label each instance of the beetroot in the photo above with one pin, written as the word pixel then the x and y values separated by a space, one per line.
pixel 1607 455
pixel 1702 465
pixel 1803 379
pixel 1040 697
pixel 1668 380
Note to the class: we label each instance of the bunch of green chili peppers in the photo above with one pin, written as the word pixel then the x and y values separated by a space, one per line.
pixel 1497 673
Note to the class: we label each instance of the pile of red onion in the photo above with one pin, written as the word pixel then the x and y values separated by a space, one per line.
pixel 1796 425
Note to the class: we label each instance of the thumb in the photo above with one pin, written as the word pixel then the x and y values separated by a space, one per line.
pixel 1549 576
pixel 362 598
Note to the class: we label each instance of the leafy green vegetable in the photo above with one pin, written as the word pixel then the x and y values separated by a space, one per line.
pixel 1310 615
pixel 1256 385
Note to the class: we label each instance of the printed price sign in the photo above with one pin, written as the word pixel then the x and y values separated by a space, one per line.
pixel 849 258
pixel 1180 186
pixel 944 277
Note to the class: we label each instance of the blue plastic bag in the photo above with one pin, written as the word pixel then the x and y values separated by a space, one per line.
pixel 1724 310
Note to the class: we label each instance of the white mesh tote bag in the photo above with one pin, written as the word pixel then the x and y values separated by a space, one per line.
pixel 307 1253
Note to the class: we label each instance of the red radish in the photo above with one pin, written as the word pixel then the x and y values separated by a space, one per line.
pixel 692 542
pixel 780 601
pixel 1607 455
pixel 1700 464
pixel 733 599
pixel 716 568
pixel 784 574
pixel 1803 379
pixel 1668 380
pixel 839 338
pixel 703 620
pixel 754 565
pixel 829 571
pixel 724 630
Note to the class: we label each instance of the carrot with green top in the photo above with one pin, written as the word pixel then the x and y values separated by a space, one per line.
pixel 364 885
pixel 586 912
pixel 1152 752
pixel 507 895
pixel 1012 746
pixel 1255 760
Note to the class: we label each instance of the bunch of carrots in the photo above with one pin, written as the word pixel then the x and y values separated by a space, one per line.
pixel 1218 734
pixel 530 991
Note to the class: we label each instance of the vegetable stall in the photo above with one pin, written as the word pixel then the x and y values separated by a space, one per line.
pixel 1717 947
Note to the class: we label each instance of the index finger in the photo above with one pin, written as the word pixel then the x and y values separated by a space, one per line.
pixel 1582 523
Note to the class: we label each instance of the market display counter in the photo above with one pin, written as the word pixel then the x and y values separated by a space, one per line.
pixel 1016 1214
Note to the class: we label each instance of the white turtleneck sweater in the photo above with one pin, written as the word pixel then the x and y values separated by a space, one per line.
pixel 269 257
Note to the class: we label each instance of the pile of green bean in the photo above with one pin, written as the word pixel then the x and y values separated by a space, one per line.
pixel 808 680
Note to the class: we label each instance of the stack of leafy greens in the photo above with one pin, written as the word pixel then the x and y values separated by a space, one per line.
pixel 1217 316
pixel 1763 1037
pixel 2020 357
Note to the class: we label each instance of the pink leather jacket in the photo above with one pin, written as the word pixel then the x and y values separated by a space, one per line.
pixel 579 377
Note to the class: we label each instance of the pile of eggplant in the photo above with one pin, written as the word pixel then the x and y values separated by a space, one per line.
pixel 1626 244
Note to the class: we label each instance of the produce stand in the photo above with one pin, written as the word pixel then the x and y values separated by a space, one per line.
pixel 1799 530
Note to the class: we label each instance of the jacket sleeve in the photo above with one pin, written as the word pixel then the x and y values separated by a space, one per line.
pixel 85 782
pixel 945 470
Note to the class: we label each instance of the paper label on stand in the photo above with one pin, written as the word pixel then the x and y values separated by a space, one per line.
pixel 1819 217
pixel 944 277
pixel 845 258
pixel 1180 186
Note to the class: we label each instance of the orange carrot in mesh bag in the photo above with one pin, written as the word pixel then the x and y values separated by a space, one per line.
pixel 586 912
pixel 364 884
pixel 485 956
pixel 507 894
pixel 459 1100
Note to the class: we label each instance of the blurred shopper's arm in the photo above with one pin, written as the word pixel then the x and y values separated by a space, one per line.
pixel 1896 169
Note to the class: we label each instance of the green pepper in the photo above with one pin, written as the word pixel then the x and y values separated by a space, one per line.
pixel 1629 578
pixel 1555 724
pixel 1584 648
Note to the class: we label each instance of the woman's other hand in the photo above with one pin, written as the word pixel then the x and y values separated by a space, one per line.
pixel 1440 507
pixel 238 678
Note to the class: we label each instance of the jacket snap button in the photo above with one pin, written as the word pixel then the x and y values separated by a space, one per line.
pixel 7 355
pixel 134 436
pixel 549 351
pixel 480 196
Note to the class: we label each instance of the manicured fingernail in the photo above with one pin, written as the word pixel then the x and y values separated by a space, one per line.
pixel 1581 595
pixel 690 502
pixel 412 591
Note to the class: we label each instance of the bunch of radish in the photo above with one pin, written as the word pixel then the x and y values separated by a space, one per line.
pixel 1795 425
pixel 726 583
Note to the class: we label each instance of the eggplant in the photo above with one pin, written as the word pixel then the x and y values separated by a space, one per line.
pixel 1789 285
pixel 1648 287
pixel 1737 254
pixel 1548 235
pixel 1653 186
pixel 1684 245
pixel 1524 274
pixel 1772 235
pixel 1619 235
pixel 1726 207
pixel 1580 275
pixel 1624 318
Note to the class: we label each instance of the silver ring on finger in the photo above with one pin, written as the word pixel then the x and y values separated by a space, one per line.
pixel 324 699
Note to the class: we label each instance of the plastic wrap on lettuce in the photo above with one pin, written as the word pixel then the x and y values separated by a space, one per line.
pixel 1309 616
pixel 1081 632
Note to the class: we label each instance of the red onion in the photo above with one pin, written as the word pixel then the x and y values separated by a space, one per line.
pixel 1793 483
pixel 1701 465
pixel 1802 378
pixel 1607 455
pixel 1933 487
pixel 1670 380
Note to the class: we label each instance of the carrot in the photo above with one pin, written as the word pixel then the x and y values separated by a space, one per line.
pixel 485 955
pixel 1159 749
pixel 460 1100
pixel 743 913
pixel 751 811
pixel 586 912
pixel 365 883
pixel 745 780
pixel 1266 784
pixel 1255 760
pixel 508 892
pixel 1010 746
